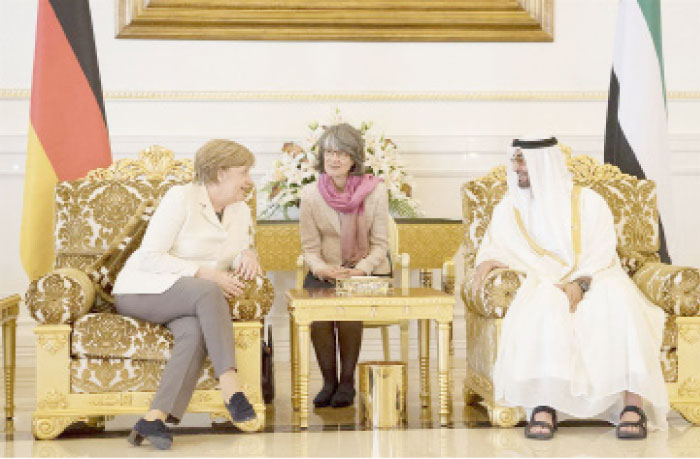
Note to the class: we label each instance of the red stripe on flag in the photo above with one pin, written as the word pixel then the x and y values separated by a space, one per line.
pixel 64 112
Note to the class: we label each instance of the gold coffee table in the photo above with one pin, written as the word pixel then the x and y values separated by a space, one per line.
pixel 422 304
pixel 9 309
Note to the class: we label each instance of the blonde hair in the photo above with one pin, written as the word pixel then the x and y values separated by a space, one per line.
pixel 219 154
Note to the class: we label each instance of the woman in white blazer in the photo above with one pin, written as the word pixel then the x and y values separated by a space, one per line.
pixel 344 228
pixel 179 277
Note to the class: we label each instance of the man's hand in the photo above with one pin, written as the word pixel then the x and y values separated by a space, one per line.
pixel 249 266
pixel 228 282
pixel 482 271
pixel 573 292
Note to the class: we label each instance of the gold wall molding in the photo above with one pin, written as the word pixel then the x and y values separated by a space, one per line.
pixel 370 96
pixel 333 20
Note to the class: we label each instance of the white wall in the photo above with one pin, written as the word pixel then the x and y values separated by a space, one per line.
pixel 554 87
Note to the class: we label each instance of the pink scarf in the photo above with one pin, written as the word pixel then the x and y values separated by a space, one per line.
pixel 354 232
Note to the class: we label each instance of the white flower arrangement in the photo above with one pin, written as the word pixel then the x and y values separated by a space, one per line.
pixel 297 166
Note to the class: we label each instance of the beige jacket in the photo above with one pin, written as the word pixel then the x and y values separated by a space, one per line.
pixel 183 235
pixel 319 227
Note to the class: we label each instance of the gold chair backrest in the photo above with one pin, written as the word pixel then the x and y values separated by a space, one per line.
pixel 393 241
pixel 91 211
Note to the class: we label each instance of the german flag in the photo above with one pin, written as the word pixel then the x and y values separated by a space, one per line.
pixel 68 129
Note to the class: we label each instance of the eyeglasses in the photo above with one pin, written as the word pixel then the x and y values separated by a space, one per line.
pixel 337 153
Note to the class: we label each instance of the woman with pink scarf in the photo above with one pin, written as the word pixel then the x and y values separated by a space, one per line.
pixel 344 227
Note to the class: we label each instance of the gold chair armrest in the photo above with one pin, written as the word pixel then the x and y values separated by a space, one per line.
pixel 60 297
pixel 495 295
pixel 255 301
pixel 675 289
pixel 632 260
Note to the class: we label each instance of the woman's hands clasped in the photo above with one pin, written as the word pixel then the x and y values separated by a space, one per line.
pixel 338 272
pixel 228 281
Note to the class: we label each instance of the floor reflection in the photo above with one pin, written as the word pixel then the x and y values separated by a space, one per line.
pixel 338 433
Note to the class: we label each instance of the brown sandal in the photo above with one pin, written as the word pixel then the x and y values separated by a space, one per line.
pixel 551 428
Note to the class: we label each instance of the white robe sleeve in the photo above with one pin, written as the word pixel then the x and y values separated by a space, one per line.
pixel 598 236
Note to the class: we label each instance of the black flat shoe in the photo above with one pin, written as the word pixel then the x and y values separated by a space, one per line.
pixel 240 408
pixel 549 429
pixel 323 398
pixel 156 432
pixel 172 420
pixel 641 425
pixel 344 396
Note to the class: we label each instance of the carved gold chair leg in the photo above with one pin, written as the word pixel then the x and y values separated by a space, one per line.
pixel 50 427
pixel 8 354
pixel 684 395
pixel 504 416
pixel 9 310
pixel 424 361
pixel 470 396
pixel 247 337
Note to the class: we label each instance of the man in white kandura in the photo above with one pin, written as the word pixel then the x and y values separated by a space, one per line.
pixel 579 338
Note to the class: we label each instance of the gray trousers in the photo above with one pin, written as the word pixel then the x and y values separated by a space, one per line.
pixel 197 313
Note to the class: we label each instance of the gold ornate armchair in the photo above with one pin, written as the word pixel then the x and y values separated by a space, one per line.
pixel 674 289
pixel 92 363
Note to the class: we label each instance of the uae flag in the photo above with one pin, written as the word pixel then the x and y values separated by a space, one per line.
pixel 68 131
pixel 636 133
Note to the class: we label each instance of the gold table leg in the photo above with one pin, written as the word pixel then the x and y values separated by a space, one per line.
pixel 444 371
pixel 294 363
pixel 424 361
pixel 404 341
pixel 9 328
pixel 303 346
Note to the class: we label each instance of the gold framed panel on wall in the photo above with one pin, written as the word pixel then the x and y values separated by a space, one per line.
pixel 337 20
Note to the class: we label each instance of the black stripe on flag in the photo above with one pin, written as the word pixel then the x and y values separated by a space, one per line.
pixel 74 16
pixel 619 152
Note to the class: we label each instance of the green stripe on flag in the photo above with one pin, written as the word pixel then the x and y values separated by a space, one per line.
pixel 651 9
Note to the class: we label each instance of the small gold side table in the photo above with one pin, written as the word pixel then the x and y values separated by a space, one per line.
pixel 421 304
pixel 9 310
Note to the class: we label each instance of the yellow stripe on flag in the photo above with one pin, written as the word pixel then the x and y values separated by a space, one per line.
pixel 36 244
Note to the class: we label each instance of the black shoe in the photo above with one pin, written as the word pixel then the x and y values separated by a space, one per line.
pixel 640 425
pixel 156 432
pixel 240 408
pixel 172 420
pixel 344 396
pixel 548 429
pixel 323 398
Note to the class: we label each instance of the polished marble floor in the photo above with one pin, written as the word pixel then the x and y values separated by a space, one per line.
pixel 335 433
